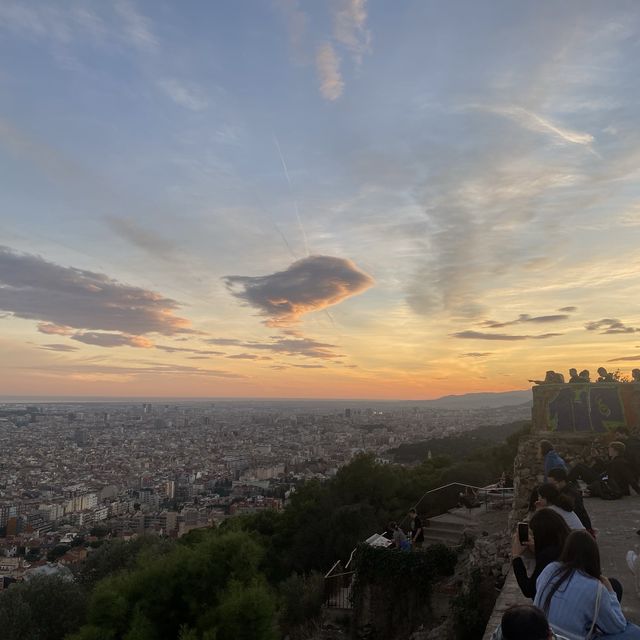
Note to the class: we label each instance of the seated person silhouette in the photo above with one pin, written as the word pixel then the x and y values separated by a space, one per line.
pixel 604 375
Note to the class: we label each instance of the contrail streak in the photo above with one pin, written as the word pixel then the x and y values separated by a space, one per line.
pixel 295 202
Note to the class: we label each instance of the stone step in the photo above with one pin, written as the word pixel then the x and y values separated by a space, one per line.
pixel 442 537
pixel 451 523
pixel 447 526
pixel 448 543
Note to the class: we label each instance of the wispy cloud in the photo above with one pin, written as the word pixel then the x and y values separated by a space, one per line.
pixel 309 284
pixel 328 67
pixel 101 25
pixel 136 27
pixel 203 352
pixel 224 341
pixel 479 335
pixel 185 96
pixel 535 122
pixel 350 26
pixel 53 329
pixel 293 344
pixel 610 326
pixel 102 339
pixel 297 22
pixel 59 347
pixel 144 238
pixel 525 318
pixel 143 370
pixel 248 356
pixel 476 354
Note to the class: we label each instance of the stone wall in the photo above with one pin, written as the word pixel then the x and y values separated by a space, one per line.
pixel 491 554
pixel 528 468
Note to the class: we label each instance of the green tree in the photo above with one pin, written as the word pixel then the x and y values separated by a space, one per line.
pixel 113 556
pixel 183 591
pixel 43 607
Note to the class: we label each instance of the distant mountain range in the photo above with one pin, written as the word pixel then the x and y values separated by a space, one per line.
pixel 482 400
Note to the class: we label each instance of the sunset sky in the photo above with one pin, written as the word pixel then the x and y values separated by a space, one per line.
pixel 340 198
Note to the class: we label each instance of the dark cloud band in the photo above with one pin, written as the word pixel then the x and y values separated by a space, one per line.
pixel 64 297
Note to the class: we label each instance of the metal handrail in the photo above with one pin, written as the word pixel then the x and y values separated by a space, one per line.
pixel 490 487
pixel 457 484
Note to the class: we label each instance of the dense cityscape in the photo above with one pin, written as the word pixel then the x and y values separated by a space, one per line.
pixel 74 470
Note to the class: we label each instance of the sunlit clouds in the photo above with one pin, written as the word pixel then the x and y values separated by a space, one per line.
pixel 347 198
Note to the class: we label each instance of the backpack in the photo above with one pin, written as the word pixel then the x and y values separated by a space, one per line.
pixel 605 488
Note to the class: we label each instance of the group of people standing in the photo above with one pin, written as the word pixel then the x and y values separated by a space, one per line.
pixel 572 598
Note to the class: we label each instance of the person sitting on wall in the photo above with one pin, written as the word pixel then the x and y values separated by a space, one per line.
pixel 585 376
pixel 574 377
pixel 547 534
pixel 551 458
pixel 619 470
pixel 560 479
pixel 632 448
pixel 400 540
pixel 549 497
pixel 578 599
pixel 588 473
pixel 550 377
pixel 635 375
pixel 604 376
pixel 524 622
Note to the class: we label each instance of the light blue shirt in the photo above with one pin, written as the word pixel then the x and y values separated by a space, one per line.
pixel 572 606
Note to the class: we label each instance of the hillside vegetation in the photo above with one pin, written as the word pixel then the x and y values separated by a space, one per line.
pixel 255 577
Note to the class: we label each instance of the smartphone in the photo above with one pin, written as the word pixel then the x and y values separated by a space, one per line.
pixel 523 532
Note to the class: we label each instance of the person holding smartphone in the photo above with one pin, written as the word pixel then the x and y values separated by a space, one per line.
pixel 544 536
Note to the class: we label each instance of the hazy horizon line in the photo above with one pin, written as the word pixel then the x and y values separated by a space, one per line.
pixel 94 398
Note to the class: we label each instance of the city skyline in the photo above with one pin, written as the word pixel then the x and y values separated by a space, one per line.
pixel 350 199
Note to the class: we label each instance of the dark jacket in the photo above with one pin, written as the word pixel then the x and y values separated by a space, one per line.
pixel 632 454
pixel 620 472
pixel 578 504
pixel 528 584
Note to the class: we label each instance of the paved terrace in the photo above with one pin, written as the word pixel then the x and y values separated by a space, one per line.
pixel 617 522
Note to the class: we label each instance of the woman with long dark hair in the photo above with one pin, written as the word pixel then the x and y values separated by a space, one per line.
pixel 577 599
pixel 547 534
pixel 549 496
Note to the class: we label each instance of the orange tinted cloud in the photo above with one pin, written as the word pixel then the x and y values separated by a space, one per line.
pixel 309 284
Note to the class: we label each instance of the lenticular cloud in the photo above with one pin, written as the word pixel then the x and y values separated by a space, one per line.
pixel 309 284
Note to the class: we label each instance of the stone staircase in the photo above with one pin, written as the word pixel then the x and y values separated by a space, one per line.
pixel 448 528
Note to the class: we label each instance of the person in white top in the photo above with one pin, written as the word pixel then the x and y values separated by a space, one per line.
pixel 550 497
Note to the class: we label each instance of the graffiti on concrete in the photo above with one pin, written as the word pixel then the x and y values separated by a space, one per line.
pixel 585 407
